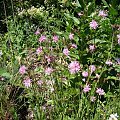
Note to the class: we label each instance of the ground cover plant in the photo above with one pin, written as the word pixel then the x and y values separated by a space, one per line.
pixel 59 60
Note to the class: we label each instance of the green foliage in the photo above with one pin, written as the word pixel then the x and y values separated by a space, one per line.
pixel 39 93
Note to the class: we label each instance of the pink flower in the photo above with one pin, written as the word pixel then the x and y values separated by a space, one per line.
pixel 118 60
pixel 92 99
pixel 22 69
pixel 93 24
pixel 118 36
pixel 108 62
pixel 71 36
pixel 49 58
pixel 42 38
pixel 73 46
pixel 52 89
pixel 55 38
pixel 119 41
pixel 100 91
pixel 92 48
pixel 92 68
pixel 80 14
pixel 44 108
pixel 85 74
pixel 39 50
pixel 74 67
pixel 40 82
pixel 86 89
pixel 48 71
pixel 102 13
pixel 97 76
pixel 37 32
pixel 66 51
pixel 27 82
pixel 2 78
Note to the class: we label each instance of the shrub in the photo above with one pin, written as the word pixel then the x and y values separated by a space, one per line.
pixel 62 62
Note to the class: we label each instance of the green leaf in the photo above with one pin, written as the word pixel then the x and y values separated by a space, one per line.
pixel 74 55
pixel 96 41
pixel 63 1
pixel 50 102
pixel 112 77
pixel 109 95
pixel 78 4
pixel 4 73
pixel 113 11
pixel 2 70
pixel 117 68
pixel 59 33
pixel 82 3
pixel 105 3
pixel 76 20
pixel 7 75
pixel 67 15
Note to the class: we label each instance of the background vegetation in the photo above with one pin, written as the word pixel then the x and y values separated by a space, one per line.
pixel 59 60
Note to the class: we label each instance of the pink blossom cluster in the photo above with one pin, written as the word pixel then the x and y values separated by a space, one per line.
pixel 80 14
pixel 100 91
pixel 22 69
pixel 71 36
pixel 92 68
pixel 92 48
pixel 66 51
pixel 102 13
pixel 86 89
pixel 118 36
pixel 118 60
pixel 37 32
pixel 39 50
pixel 74 67
pixel 108 62
pixel 55 38
pixel 49 58
pixel 97 76
pixel 42 38
pixel 93 24
pixel 85 74
pixel 48 70
pixel 73 46
pixel 40 82
pixel 27 82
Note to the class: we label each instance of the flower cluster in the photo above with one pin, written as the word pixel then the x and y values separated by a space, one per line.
pixel 27 82
pixel 74 67
pixel 86 89
pixel 22 69
pixel 118 36
pixel 102 13
pixel 100 91
pixel 93 24
pixel 81 57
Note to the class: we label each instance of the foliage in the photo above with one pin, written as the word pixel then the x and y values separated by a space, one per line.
pixel 61 61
